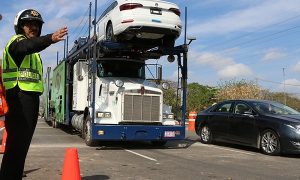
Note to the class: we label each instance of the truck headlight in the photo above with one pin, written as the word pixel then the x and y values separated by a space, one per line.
pixel 164 116
pixel 119 83
pixel 168 116
pixel 165 85
pixel 103 114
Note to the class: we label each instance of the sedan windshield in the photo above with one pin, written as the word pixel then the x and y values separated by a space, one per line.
pixel 274 108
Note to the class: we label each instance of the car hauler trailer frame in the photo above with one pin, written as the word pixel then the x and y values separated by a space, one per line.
pixel 113 107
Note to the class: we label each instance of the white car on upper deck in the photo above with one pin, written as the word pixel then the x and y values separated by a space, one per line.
pixel 145 22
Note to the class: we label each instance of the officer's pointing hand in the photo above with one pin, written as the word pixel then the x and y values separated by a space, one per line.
pixel 59 35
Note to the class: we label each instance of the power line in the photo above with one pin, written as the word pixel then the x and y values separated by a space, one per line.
pixel 225 51
pixel 242 57
pixel 77 27
pixel 274 82
pixel 240 37
pixel 79 33
pixel 266 36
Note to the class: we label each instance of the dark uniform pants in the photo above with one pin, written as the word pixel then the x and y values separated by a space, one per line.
pixel 20 124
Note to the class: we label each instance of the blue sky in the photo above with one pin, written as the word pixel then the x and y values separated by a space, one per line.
pixel 249 39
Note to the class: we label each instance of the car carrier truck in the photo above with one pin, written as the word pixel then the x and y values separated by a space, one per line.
pixel 100 89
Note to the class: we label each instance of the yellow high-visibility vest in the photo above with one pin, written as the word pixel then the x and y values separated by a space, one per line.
pixel 28 76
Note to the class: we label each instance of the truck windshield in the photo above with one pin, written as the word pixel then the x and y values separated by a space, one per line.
pixel 116 68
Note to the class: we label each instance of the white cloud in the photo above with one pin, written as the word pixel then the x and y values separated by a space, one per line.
pixel 291 86
pixel 291 82
pixel 274 54
pixel 214 60
pixel 297 67
pixel 235 71
pixel 226 67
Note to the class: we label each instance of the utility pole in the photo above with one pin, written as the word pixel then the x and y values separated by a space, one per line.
pixel 284 94
pixel 64 49
pixel 57 58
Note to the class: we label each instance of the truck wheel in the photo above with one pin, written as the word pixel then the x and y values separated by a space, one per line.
pixel 87 133
pixel 158 143
pixel 54 123
pixel 110 32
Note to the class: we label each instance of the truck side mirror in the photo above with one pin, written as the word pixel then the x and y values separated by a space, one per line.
pixel 159 73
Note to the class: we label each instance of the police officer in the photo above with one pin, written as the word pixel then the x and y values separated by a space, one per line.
pixel 22 79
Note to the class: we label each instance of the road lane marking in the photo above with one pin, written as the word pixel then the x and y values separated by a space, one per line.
pixel 227 149
pixel 63 145
pixel 138 154
pixel 52 135
pixel 44 127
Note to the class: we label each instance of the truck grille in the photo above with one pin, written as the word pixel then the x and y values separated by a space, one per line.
pixel 139 108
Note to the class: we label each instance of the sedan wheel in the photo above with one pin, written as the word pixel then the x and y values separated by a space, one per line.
pixel 270 143
pixel 205 134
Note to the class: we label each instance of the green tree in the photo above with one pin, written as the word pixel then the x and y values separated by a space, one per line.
pixel 199 97
pixel 170 97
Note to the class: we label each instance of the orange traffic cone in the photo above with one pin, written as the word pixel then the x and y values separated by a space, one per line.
pixel 3 142
pixel 71 169
pixel 1 124
pixel 192 118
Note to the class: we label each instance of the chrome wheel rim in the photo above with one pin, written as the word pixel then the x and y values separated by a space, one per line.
pixel 269 142
pixel 205 134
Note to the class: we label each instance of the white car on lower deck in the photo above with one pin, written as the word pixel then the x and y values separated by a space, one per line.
pixel 148 22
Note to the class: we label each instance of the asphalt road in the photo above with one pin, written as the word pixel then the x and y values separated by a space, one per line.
pixel 186 159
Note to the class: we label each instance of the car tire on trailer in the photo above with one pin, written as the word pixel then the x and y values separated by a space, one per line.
pixel 110 32
pixel 87 133
pixel 205 134
pixel 269 142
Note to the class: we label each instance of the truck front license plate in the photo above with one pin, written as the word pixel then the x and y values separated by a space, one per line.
pixel 169 133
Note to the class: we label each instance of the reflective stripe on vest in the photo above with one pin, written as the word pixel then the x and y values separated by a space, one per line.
pixel 28 76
